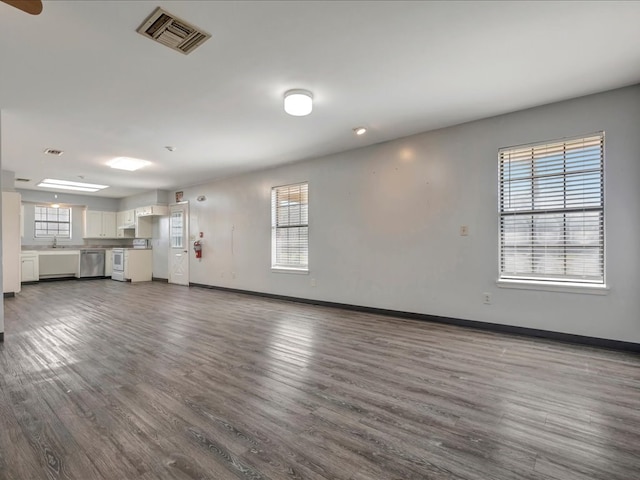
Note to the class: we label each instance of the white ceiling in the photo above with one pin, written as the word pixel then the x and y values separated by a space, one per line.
pixel 78 77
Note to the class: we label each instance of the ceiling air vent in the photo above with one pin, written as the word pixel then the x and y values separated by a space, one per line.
pixel 173 32
pixel 22 179
pixel 53 151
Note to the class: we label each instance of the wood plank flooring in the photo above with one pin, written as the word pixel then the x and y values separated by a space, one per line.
pixel 107 380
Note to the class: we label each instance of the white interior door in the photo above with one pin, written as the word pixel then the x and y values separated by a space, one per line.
pixel 179 244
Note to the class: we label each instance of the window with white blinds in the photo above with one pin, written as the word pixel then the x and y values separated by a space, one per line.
pixel 290 226
pixel 552 211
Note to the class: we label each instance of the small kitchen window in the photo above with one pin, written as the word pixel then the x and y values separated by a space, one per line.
pixel 52 222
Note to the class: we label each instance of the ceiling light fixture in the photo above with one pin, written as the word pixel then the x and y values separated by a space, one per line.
pixel 298 102
pixel 67 185
pixel 127 163
pixel 359 130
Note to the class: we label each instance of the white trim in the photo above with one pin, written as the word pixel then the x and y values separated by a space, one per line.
pixel 563 287
pixel 297 271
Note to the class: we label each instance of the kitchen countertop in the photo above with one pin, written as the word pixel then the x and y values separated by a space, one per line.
pixel 48 248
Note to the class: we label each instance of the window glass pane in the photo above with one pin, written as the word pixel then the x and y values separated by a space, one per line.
pixel 176 228
pixel 552 211
pixel 50 222
pixel 290 218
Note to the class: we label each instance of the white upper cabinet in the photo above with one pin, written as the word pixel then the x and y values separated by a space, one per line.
pixel 130 218
pixel 100 224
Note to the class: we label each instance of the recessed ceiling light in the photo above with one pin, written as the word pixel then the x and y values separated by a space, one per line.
pixel 127 163
pixel 359 130
pixel 67 185
pixel 298 102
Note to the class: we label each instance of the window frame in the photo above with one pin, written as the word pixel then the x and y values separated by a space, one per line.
pixel 283 267
pixel 539 160
pixel 56 222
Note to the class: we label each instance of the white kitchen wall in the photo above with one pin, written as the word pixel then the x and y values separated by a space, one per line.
pixel 8 181
pixel 152 197
pixel 385 220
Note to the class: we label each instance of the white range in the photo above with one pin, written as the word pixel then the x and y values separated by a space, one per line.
pixel 133 264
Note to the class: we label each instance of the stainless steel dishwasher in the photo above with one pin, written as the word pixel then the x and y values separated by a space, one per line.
pixel 91 263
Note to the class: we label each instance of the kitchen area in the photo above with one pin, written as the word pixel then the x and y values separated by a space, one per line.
pixel 46 241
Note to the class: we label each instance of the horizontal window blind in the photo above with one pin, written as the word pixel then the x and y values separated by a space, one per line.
pixel 290 226
pixel 50 222
pixel 552 211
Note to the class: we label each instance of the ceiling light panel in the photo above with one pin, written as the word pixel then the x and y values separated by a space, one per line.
pixel 68 185
pixel 127 163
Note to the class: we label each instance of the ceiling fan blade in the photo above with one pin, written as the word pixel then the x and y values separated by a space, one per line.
pixel 32 7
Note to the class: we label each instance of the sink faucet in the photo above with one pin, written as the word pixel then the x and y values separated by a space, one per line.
pixel 55 242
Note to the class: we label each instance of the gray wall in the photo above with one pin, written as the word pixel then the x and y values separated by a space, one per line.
pixel 102 204
pixel 384 223
pixel 77 227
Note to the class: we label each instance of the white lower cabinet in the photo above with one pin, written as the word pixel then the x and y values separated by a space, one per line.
pixel 30 270
pixel 138 265
pixel 99 224
pixel 108 262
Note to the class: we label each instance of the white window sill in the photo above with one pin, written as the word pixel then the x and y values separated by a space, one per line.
pixel 564 287
pixel 296 271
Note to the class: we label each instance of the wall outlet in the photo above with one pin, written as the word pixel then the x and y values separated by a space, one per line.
pixel 486 298
pixel 312 282
pixel 464 230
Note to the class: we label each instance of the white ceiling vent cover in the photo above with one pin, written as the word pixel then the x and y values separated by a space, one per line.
pixel 53 151
pixel 173 32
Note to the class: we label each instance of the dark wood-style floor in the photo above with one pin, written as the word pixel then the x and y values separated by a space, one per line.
pixel 106 380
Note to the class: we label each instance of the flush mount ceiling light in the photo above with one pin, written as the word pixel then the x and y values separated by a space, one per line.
pixel 298 102
pixel 67 185
pixel 127 163
pixel 359 130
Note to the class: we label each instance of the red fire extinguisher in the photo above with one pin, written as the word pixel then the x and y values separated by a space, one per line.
pixel 197 247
